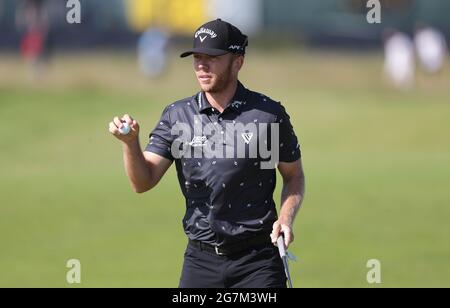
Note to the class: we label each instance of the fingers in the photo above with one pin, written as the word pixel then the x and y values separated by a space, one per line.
pixel 276 228
pixel 282 229
pixel 134 125
pixel 127 119
pixel 124 119
pixel 288 235
pixel 117 123
pixel 113 128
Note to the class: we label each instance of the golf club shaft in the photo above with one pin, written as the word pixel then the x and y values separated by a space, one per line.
pixel 284 257
pixel 286 270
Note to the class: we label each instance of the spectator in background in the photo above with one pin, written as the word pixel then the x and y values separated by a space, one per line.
pixel 32 20
pixel 152 47
pixel 431 49
pixel 399 64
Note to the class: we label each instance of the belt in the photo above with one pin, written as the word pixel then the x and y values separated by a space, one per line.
pixel 231 249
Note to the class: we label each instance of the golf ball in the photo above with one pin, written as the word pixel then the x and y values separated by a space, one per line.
pixel 125 129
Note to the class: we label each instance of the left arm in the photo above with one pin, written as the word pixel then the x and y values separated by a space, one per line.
pixel 291 199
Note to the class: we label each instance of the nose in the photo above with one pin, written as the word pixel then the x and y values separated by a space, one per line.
pixel 201 64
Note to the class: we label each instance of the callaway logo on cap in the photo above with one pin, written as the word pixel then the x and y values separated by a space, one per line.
pixel 216 38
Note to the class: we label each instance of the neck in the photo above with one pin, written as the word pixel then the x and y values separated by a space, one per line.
pixel 220 100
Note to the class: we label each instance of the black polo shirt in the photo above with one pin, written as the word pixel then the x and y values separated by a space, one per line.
pixel 219 159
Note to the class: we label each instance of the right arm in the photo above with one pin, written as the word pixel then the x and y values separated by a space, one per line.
pixel 144 169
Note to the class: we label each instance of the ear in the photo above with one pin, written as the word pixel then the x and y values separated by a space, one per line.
pixel 238 62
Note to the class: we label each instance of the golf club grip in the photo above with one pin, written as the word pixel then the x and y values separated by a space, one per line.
pixel 281 247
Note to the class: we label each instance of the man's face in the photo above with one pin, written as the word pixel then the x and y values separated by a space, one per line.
pixel 214 73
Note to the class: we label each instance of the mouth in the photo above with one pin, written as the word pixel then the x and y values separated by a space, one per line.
pixel 204 78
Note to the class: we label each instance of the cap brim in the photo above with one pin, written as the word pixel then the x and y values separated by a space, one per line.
pixel 206 51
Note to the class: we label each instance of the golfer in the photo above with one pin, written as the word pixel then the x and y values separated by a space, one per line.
pixel 227 142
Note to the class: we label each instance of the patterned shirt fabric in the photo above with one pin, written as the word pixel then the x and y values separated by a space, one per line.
pixel 226 162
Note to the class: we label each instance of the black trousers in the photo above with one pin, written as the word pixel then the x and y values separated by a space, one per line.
pixel 259 267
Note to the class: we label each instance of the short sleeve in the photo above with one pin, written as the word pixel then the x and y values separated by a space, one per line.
pixel 161 138
pixel 289 145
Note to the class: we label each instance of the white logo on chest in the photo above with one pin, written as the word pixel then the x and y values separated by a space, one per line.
pixel 198 141
pixel 247 137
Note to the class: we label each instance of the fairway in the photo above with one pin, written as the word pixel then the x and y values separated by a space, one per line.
pixel 377 166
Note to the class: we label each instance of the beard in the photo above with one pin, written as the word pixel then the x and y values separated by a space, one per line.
pixel 221 82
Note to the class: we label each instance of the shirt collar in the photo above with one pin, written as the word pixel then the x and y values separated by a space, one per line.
pixel 236 103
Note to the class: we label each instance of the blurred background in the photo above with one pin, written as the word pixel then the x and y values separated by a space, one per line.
pixel 370 104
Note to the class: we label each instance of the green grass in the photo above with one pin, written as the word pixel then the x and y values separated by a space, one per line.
pixel 377 164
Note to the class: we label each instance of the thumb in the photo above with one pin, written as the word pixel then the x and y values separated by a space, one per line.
pixel 275 232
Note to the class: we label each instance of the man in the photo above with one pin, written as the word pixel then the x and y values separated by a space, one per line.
pixel 32 18
pixel 226 141
pixel 431 48
pixel 399 62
